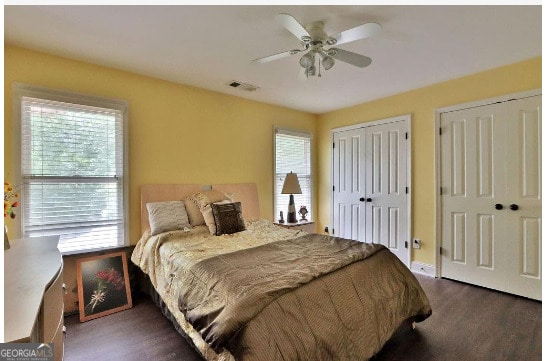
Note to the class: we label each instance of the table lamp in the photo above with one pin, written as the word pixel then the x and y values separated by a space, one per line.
pixel 291 187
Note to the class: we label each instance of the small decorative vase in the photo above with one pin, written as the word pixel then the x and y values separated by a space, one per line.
pixel 6 240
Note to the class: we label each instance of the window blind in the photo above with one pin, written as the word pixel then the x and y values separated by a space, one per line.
pixel 72 165
pixel 293 154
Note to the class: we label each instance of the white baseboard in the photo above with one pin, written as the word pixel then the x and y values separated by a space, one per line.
pixel 424 269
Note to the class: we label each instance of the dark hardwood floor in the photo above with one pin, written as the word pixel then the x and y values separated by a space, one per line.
pixel 141 333
pixel 468 323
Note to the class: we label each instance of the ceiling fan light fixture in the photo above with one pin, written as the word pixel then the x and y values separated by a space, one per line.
pixel 327 61
pixel 307 60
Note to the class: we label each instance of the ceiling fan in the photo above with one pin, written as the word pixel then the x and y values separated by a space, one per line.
pixel 315 42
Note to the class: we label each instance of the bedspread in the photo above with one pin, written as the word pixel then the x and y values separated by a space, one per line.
pixel 347 314
pixel 221 294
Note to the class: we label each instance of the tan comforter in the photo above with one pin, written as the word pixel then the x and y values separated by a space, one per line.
pixel 223 293
pixel 347 314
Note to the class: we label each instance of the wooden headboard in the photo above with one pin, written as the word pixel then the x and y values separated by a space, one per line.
pixel 246 193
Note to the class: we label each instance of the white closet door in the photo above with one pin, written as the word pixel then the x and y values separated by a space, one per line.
pixel 524 191
pixel 386 184
pixel 473 173
pixel 491 196
pixel 348 178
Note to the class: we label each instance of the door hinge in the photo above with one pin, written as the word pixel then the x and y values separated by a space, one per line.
pixel 333 145
pixel 333 231
pixel 441 191
pixel 406 135
pixel 405 244
pixel 440 250
pixel 440 131
pixel 406 190
pixel 333 188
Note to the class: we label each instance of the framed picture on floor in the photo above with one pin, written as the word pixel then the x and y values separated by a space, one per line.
pixel 103 285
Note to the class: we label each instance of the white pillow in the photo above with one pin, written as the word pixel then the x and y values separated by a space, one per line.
pixel 167 216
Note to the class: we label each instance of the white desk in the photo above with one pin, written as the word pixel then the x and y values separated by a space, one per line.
pixel 33 292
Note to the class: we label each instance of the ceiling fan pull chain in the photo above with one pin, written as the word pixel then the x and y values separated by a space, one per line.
pixel 319 68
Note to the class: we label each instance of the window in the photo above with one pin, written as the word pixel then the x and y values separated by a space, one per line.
pixel 293 154
pixel 73 169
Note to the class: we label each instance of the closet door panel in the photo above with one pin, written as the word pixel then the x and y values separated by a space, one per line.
pixel 524 191
pixel 386 181
pixel 473 182
pixel 348 181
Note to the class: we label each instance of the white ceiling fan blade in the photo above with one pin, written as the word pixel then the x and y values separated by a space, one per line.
pixel 269 58
pixel 360 32
pixel 352 58
pixel 293 26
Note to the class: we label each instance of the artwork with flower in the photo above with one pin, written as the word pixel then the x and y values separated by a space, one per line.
pixel 103 285
pixel 107 280
pixel 9 204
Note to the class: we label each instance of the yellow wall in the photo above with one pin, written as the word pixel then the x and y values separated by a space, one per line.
pixel 421 104
pixel 180 134
pixel 177 133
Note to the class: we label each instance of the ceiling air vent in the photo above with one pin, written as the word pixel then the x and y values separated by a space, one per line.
pixel 243 86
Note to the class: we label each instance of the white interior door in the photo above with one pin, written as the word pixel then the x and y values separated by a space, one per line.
pixel 490 163
pixel 370 176
pixel 348 175
pixel 473 167
pixel 524 190
pixel 386 187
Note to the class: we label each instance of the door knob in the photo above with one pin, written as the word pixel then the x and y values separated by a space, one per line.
pixel 361 199
pixel 514 207
pixel 368 199
pixel 498 206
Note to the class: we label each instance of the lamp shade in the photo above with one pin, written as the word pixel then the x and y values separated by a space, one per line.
pixel 291 184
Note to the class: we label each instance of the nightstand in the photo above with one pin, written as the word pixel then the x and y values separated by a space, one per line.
pixel 307 226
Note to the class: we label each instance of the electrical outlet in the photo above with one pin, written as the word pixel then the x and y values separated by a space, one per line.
pixel 416 243
pixel 326 230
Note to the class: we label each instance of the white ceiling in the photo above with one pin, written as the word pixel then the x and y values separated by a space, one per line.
pixel 209 46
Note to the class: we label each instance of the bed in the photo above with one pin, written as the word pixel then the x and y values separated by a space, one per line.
pixel 265 292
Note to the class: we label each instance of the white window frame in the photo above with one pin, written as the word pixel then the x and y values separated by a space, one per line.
pixel 276 210
pixel 21 90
